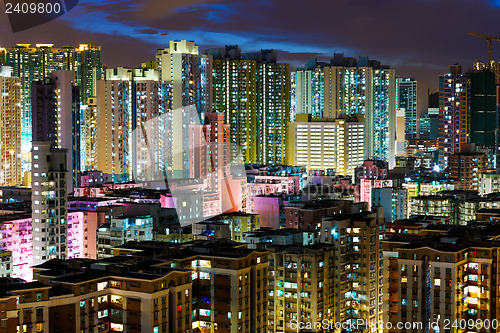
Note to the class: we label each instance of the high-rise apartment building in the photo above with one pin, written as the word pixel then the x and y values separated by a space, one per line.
pixel 253 92
pixel 348 86
pixel 467 168
pixel 114 130
pixel 128 100
pixel 358 266
pixel 413 98
pixel 55 107
pixel 454 124
pixel 49 201
pixel 435 280
pixel 307 90
pixel 88 135
pixel 36 64
pixel 326 144
pixel 190 75
pixel 300 290
pixel 10 132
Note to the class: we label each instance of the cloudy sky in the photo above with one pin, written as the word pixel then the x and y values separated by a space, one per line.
pixel 419 38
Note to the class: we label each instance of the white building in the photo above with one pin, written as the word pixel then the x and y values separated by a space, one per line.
pixel 322 144
pixel 49 198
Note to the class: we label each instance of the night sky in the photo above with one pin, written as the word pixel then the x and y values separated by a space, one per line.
pixel 419 38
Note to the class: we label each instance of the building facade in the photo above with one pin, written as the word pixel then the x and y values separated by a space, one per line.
pixel 36 64
pixel 454 124
pixel 326 144
pixel 253 92
pixel 10 133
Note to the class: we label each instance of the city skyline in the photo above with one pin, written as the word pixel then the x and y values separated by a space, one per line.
pixel 183 167
pixel 416 39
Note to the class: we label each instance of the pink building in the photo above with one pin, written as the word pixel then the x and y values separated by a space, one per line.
pixel 76 233
pixel 268 207
pixel 266 185
pixel 270 185
pixel 366 189
pixel 371 169
pixel 16 236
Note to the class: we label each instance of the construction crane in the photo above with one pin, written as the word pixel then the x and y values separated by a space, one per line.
pixel 488 39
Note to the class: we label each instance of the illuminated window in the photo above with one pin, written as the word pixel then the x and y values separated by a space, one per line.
pixel 437 282
pixel 102 314
pixel 117 327
pixel 404 279
pixel 205 263
pixel 102 299
pixel 116 299
pixel 101 286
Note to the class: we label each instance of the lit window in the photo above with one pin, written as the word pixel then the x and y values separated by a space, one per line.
pixel 116 299
pixel 205 312
pixel 437 282
pixel 117 327
pixel 102 314
pixel 205 263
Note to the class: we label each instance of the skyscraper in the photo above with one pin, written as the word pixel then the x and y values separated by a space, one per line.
pixel 483 112
pixel 453 113
pixel 308 92
pixel 114 130
pixel 56 118
pixel 413 98
pixel 253 92
pixel 37 63
pixel 10 131
pixel 190 75
pixel 49 201
pixel 133 125
pixel 88 135
pixel 348 86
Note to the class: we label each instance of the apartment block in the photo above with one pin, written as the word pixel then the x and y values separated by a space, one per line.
pixel 445 278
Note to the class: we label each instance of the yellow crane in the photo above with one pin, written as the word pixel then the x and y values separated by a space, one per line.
pixel 488 39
